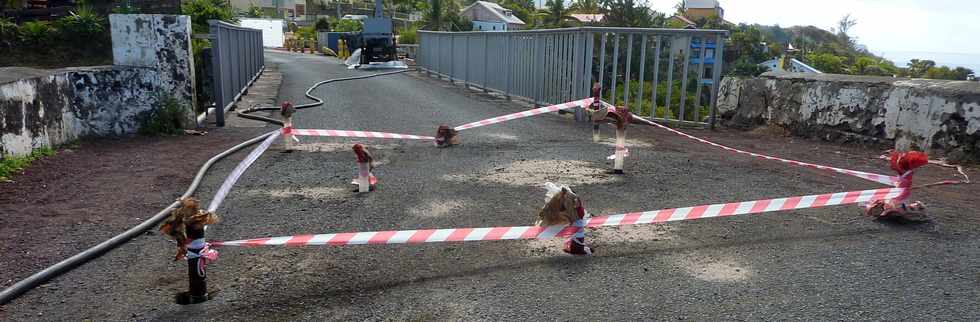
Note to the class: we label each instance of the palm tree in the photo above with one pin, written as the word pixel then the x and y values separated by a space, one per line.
pixel 585 6
pixel 434 15
pixel 557 13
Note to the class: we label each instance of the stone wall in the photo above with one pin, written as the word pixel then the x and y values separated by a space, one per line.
pixel 152 57
pixel 920 114
pixel 70 104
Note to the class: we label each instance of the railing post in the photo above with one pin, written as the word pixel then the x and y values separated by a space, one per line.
pixel 670 76
pixel 486 61
pixel 508 67
pixel 626 81
pixel 656 73
pixel 700 83
pixel 217 83
pixel 615 65
pixel 643 63
pixel 716 77
pixel 687 61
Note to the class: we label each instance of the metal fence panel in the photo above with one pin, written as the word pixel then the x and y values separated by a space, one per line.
pixel 237 60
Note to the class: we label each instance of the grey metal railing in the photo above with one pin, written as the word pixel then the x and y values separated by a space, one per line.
pixel 237 60
pixel 633 65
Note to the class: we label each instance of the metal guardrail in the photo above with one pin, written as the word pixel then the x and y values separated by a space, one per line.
pixel 237 59
pixel 410 50
pixel 633 65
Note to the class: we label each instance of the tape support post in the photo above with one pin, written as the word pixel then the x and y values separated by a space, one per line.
pixel 535 232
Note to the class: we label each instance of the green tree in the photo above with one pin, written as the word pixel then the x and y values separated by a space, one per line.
pixel 586 6
pixel 254 11
pixel 917 68
pixel 825 62
pixel 557 14
pixel 203 10
pixel 627 13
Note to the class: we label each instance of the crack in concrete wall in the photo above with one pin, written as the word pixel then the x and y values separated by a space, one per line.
pixel 913 114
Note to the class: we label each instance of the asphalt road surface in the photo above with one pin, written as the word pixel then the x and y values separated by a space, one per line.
pixel 817 264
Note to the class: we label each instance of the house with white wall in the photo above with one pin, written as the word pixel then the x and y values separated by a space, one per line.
pixel 489 16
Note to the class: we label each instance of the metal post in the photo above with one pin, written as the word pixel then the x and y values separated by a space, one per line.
pixel 577 55
pixel 615 65
pixel 656 73
pixel 486 61
pixel 538 69
pixel 683 93
pixel 670 76
pixel 509 61
pixel 452 55
pixel 643 63
pixel 466 63
pixel 217 82
pixel 699 79
pixel 196 275
pixel 602 62
pixel 716 78
pixel 626 81
pixel 586 74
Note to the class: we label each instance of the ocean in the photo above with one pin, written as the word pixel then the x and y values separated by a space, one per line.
pixel 953 60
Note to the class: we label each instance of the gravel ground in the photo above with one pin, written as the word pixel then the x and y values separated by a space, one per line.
pixel 818 264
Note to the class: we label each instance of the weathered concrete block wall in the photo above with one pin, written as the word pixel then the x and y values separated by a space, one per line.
pixel 152 56
pixel 913 113
pixel 161 42
pixel 74 103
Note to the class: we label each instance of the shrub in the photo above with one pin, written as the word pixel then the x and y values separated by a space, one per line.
pixel 36 33
pixel 83 23
pixel 323 24
pixel 348 25
pixel 9 33
pixel 166 120
pixel 203 10
pixel 408 36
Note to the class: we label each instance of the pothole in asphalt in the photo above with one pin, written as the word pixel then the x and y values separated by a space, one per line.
pixel 332 192
pixel 632 233
pixel 537 172
pixel 436 208
pixel 719 271
pixel 630 143
pixel 502 136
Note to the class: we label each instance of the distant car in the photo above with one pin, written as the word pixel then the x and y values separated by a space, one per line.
pixel 354 17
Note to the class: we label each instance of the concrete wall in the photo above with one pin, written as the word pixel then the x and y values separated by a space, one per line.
pixel 160 42
pixel 152 56
pixel 911 113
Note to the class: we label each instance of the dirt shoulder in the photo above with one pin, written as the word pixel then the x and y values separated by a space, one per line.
pixel 95 189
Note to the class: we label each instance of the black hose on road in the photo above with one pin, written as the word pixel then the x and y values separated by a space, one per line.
pixel 87 255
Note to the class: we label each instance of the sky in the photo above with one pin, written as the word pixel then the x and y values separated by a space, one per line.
pixel 893 28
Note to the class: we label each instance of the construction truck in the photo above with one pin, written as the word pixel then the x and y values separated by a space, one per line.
pixel 377 41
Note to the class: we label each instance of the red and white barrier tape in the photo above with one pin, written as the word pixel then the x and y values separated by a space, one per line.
pixel 880 178
pixel 238 171
pixel 513 116
pixel 536 232
pixel 354 134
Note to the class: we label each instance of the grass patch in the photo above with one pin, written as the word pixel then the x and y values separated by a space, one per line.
pixel 10 165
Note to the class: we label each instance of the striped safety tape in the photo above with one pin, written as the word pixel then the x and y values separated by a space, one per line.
pixel 226 186
pixel 880 178
pixel 536 232
pixel 354 134
pixel 513 116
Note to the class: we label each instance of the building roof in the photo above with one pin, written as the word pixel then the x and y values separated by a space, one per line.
pixel 685 20
pixel 588 17
pixel 502 13
pixel 701 4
